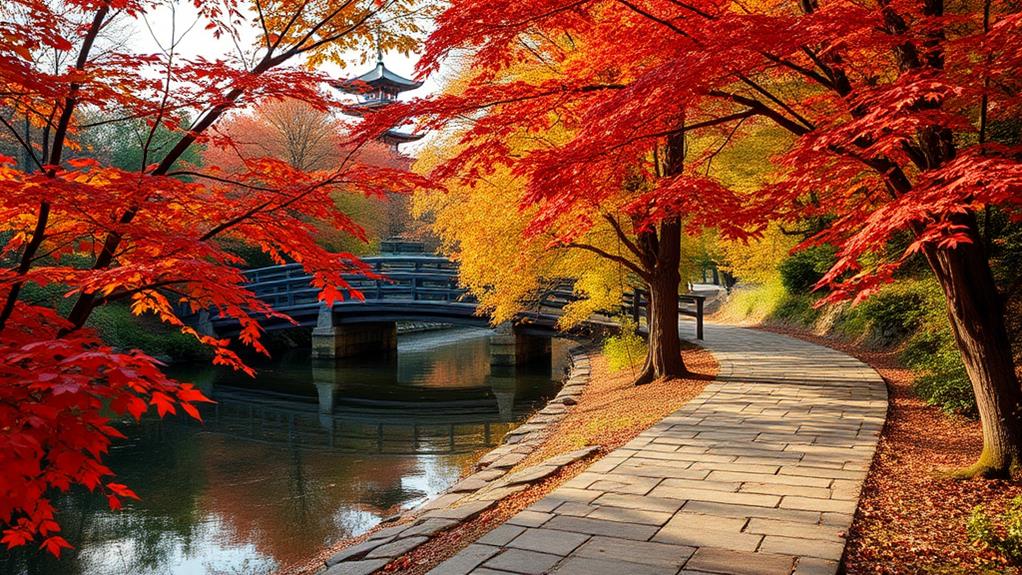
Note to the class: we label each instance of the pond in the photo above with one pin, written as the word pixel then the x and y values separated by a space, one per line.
pixel 306 454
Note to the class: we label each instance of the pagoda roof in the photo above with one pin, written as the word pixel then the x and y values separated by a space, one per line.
pixel 398 137
pixel 379 77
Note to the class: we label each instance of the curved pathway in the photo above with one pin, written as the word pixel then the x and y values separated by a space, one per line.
pixel 758 475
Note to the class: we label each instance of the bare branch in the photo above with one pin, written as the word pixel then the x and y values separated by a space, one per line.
pixel 612 257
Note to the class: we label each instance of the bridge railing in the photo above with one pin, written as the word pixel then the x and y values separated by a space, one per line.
pixel 633 303
pixel 689 306
pixel 426 278
pixel 414 278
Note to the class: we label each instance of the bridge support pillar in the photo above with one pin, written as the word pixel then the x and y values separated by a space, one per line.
pixel 503 386
pixel 204 324
pixel 508 348
pixel 331 341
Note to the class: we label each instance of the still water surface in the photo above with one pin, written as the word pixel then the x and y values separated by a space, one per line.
pixel 297 459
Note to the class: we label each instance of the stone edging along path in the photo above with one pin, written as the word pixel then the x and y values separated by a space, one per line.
pixel 478 492
pixel 758 475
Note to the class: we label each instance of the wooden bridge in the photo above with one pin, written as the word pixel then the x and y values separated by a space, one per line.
pixel 419 288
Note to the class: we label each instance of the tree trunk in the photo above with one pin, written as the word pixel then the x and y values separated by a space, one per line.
pixel 663 355
pixel 976 313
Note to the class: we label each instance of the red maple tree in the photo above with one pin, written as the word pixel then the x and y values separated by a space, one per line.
pixel 151 237
pixel 889 106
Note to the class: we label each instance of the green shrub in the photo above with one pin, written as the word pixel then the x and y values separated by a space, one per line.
pixel 941 377
pixel 121 329
pixel 625 350
pixel 801 270
pixel 891 316
pixel 796 309
pixel 1001 534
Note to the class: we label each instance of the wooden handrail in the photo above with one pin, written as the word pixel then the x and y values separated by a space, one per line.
pixel 428 279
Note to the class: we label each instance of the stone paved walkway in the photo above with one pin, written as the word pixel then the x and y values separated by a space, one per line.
pixel 758 475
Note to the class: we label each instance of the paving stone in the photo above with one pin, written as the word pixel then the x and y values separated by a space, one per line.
pixel 661 555
pixel 729 510
pixel 465 560
pixel 802 547
pixel 729 562
pixel 513 439
pixel 396 548
pixel 358 550
pixel 715 496
pixel 813 504
pixel 814 566
pixel 526 428
pixel 508 461
pixel 461 512
pixel 502 535
pixel 838 519
pixel 807 471
pixel 553 409
pixel 706 483
pixel 522 561
pixel 428 528
pixel 697 521
pixel 548 541
pixel 390 532
pixel 608 463
pixel 498 493
pixel 356 567
pixel 574 509
pixel 626 515
pixel 598 527
pixel 443 501
pixel 546 505
pixel 769 478
pixel 576 495
pixel 645 502
pixel 467 485
pixel 739 467
pixel 781 489
pixel 701 530
pixel 591 566
pixel 572 456
pixel 628 484
pixel 530 518
pixel 659 469
pixel 530 474
pixel 794 529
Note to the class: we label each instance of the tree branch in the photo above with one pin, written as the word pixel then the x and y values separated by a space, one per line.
pixel 762 109
pixel 627 241
pixel 39 232
pixel 615 258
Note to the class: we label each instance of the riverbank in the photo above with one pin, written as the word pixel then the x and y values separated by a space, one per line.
pixel 609 412
pixel 912 516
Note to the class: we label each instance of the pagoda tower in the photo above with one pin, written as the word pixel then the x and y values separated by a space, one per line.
pixel 377 88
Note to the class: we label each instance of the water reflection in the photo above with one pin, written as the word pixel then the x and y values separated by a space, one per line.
pixel 297 459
